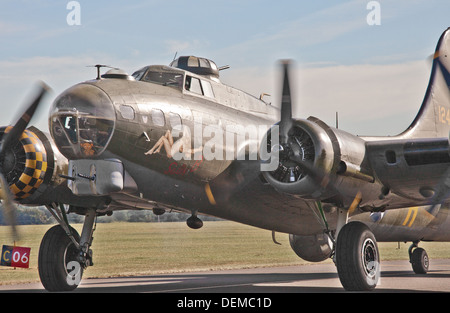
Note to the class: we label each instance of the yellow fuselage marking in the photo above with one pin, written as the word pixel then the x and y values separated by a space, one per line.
pixel 410 210
pixel 209 194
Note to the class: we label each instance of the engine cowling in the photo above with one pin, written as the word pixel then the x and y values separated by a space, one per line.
pixel 315 147
pixel 325 154
pixel 314 248
pixel 30 165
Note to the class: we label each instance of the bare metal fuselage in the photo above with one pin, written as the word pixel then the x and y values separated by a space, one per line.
pixel 164 182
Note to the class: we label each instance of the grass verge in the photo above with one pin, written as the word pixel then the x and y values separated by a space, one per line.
pixel 130 249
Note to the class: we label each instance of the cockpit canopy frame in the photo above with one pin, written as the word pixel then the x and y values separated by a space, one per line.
pixel 160 75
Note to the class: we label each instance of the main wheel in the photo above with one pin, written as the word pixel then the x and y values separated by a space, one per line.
pixel 59 269
pixel 420 261
pixel 357 257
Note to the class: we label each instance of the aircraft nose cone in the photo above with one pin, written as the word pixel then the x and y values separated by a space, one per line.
pixel 82 121
pixel 85 99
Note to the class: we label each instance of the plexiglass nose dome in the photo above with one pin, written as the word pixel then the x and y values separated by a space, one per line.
pixel 82 121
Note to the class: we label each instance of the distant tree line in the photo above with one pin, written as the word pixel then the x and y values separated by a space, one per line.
pixel 40 215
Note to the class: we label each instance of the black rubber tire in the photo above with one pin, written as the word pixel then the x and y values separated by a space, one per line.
pixel 357 257
pixel 55 252
pixel 420 261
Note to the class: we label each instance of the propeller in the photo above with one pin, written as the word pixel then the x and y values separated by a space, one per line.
pixel 240 173
pixel 10 139
pixel 286 105
pixel 290 148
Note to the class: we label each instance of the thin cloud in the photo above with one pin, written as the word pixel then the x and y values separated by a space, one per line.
pixel 7 28
pixel 180 46
pixel 307 30
pixel 364 95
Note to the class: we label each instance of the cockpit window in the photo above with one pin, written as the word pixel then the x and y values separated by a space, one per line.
pixel 160 75
pixel 138 74
pixel 165 79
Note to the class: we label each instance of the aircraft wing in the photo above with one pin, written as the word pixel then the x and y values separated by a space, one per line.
pixel 415 169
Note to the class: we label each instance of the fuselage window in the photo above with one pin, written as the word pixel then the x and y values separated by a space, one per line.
pixel 158 118
pixel 127 112
pixel 175 121
pixel 207 89
pixel 199 86
pixel 193 85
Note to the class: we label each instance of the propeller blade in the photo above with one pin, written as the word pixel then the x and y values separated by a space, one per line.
pixel 9 140
pixel 286 104
pixel 14 134
pixel 9 208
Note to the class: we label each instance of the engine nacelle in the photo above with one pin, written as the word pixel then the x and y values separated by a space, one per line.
pixel 314 248
pixel 332 152
pixel 31 165
pixel 315 147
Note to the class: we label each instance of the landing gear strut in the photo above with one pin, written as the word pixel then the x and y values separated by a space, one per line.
pixel 355 252
pixel 418 258
pixel 63 254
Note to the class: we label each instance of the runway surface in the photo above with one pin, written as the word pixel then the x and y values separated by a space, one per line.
pixel 396 276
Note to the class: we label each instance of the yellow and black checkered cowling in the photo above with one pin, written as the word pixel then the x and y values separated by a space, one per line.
pixel 25 179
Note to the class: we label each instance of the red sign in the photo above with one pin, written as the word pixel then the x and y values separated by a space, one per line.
pixel 15 256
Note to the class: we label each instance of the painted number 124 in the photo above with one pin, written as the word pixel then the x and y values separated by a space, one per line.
pixel 444 115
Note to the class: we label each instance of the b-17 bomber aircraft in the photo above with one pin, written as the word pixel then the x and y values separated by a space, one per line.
pixel 175 138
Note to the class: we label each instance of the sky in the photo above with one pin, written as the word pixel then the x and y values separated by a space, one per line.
pixel 367 60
